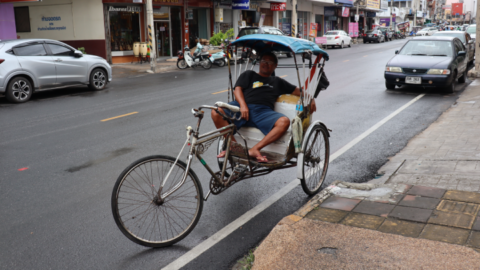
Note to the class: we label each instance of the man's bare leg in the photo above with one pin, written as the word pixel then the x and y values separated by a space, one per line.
pixel 280 127
pixel 219 123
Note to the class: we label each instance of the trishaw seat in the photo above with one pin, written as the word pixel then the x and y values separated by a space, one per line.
pixel 285 104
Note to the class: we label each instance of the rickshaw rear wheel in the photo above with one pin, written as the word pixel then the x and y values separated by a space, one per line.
pixel 148 220
pixel 315 160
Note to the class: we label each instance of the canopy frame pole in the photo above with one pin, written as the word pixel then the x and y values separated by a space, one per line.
pixel 298 76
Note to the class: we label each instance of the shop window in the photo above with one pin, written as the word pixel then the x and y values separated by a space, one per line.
pixel 124 30
pixel 22 19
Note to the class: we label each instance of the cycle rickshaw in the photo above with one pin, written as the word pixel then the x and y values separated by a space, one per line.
pixel 158 200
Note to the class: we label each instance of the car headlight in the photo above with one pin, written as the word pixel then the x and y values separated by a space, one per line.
pixel 394 69
pixel 438 71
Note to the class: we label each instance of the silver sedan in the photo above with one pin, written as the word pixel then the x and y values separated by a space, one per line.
pixel 31 65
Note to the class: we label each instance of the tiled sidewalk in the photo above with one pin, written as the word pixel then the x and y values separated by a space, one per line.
pixel 449 216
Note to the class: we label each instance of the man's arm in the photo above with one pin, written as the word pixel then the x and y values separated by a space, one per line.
pixel 241 100
pixel 297 92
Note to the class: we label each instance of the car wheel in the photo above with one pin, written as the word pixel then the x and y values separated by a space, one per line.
pixel 451 88
pixel 19 90
pixel 98 79
pixel 341 45
pixel 464 77
pixel 390 86
pixel 350 44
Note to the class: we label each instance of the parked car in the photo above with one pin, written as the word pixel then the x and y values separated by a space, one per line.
pixel 387 32
pixel 338 38
pixel 472 30
pixel 427 31
pixel 373 36
pixel 437 61
pixel 33 65
pixel 466 40
pixel 263 30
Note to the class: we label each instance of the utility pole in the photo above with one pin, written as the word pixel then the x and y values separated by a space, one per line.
pixel 477 41
pixel 414 13
pixel 294 18
pixel 151 36
pixel 391 11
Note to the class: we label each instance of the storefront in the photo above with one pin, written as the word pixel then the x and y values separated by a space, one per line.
pixel 200 20
pixel 330 19
pixel 125 25
pixel 78 23
pixel 168 27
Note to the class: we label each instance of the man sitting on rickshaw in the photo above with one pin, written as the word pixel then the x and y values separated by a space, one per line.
pixel 255 94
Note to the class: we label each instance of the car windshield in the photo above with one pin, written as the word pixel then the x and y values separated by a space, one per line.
pixel 332 33
pixel 460 36
pixel 427 48
pixel 249 31
pixel 472 30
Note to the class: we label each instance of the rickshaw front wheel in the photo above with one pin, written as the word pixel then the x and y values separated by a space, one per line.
pixel 151 220
pixel 315 160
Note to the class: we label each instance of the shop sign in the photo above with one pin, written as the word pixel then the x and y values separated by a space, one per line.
pixel 278 6
pixel 329 11
pixel 346 2
pixel 446 7
pixel 287 28
pixel 276 1
pixel 321 40
pixel 313 29
pixel 345 11
pixel 241 4
pixel 330 18
pixel 126 9
pixel 168 1
pixel 373 4
pixel 371 14
pixel 353 29
pixel 384 4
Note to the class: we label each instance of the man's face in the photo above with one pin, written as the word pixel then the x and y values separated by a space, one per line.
pixel 267 65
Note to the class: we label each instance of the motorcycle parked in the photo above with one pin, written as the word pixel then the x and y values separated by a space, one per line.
pixel 218 59
pixel 198 58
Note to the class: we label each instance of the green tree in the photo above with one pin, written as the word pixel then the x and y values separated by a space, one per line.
pixel 219 37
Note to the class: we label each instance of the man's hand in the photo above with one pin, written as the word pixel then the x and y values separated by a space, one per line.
pixel 313 106
pixel 244 112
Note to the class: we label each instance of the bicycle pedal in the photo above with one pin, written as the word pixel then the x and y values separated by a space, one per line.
pixel 240 169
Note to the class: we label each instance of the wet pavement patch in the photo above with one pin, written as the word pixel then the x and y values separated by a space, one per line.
pixel 445 234
pixel 340 203
pixel 110 156
pixel 410 213
pixel 476 224
pixel 429 213
pixel 401 227
pixel 427 191
pixel 363 221
pixel 329 251
pixel 328 215
pixel 419 202
pixel 462 196
pixel 474 239
pixel 374 208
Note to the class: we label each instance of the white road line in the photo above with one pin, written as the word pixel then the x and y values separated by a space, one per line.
pixel 225 231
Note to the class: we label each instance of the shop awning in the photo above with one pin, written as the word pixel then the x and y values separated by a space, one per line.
pixel 18 1
pixel 330 2
pixel 267 43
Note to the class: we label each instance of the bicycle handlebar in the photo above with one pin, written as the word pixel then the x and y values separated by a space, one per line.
pixel 228 106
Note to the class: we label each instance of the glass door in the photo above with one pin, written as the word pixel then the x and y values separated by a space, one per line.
pixel 162 30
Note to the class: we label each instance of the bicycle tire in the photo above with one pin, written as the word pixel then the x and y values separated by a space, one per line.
pixel 141 219
pixel 312 181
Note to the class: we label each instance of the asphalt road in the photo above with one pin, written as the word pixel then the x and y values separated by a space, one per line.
pixel 59 161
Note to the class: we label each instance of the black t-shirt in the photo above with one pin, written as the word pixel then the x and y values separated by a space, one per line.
pixel 262 90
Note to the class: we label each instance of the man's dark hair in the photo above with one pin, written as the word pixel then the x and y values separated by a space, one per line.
pixel 275 59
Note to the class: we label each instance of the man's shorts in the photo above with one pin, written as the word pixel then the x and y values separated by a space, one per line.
pixel 259 116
